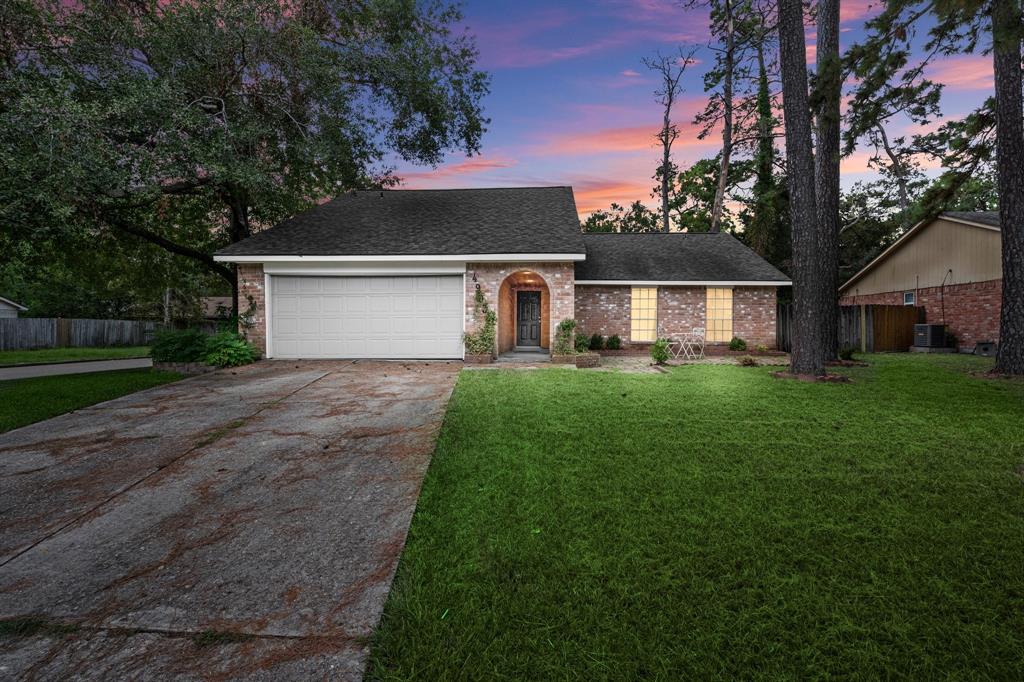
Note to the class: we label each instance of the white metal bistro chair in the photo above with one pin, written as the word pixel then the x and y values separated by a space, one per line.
pixel 676 342
pixel 693 344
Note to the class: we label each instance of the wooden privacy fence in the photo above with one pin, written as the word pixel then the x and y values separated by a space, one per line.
pixel 25 333
pixel 867 328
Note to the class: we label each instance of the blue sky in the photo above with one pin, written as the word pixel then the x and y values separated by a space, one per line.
pixel 572 104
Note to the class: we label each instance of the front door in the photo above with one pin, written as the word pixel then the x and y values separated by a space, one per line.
pixel 528 318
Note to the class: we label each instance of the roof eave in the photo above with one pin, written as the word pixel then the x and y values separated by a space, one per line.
pixel 376 258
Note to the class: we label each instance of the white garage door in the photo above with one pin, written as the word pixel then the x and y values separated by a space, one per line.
pixel 366 317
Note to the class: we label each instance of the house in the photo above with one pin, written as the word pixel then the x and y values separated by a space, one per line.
pixel 10 309
pixel 951 266
pixel 393 274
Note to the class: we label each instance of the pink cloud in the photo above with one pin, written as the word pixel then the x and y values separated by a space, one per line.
pixel 615 140
pixel 630 73
pixel 967 72
pixel 596 194
pixel 853 10
pixel 468 167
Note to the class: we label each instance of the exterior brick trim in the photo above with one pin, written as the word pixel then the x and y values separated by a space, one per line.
pixel 252 302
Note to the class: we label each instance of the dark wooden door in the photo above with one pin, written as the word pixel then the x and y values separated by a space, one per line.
pixel 528 319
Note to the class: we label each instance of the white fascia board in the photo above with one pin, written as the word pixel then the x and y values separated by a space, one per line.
pixel 471 257
pixel 12 303
pixel 339 269
pixel 680 283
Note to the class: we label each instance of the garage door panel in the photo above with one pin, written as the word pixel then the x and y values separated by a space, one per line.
pixel 371 317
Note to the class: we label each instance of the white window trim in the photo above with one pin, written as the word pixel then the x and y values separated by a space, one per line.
pixel 657 314
pixel 913 297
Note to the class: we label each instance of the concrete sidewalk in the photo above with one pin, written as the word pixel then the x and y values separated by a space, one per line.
pixel 56 369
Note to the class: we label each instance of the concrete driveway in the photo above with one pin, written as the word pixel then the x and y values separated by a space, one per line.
pixel 244 524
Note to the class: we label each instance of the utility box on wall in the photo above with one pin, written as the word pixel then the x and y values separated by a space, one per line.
pixel 930 335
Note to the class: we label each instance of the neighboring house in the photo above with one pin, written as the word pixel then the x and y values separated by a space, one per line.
pixel 9 308
pixel 216 307
pixel 393 274
pixel 951 266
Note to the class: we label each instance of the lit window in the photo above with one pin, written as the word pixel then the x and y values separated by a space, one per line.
pixel 719 314
pixel 644 314
pixel 909 298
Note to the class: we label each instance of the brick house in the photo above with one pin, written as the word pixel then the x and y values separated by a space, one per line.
pixel 394 274
pixel 951 266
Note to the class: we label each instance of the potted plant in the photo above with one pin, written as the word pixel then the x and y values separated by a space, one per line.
pixel 480 343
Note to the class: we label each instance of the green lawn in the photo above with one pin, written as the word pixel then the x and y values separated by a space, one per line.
pixel 27 357
pixel 715 522
pixel 24 401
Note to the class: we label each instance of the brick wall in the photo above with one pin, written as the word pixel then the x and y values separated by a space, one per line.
pixel 559 278
pixel 971 310
pixel 606 310
pixel 753 315
pixel 603 310
pixel 252 300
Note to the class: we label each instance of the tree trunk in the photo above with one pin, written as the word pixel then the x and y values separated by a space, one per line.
pixel 807 356
pixel 826 176
pixel 239 228
pixel 727 83
pixel 666 167
pixel 1006 53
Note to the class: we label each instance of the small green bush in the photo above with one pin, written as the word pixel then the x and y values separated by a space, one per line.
pixel 760 348
pixel 582 342
pixel 847 352
pixel 614 342
pixel 228 349
pixel 179 345
pixel 737 344
pixel 659 351
pixel 748 361
pixel 596 342
pixel 564 341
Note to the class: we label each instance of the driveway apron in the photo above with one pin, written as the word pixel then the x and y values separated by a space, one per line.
pixel 243 524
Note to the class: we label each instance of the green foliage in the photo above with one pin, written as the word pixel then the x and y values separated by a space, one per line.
pixel 564 340
pixel 229 349
pixel 190 124
pixel 582 342
pixel 596 342
pixel 482 341
pixel 748 361
pixel 659 351
pixel 614 342
pixel 737 344
pixel 179 345
pixel 637 218
pixel 846 353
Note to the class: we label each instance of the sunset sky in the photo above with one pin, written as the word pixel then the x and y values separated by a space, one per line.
pixel 572 104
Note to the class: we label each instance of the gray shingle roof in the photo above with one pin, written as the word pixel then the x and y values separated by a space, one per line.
pixel 677 257
pixel 990 218
pixel 426 222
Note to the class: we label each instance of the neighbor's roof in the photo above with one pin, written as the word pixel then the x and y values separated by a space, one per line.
pixel 988 218
pixel 672 257
pixel 985 219
pixel 12 303
pixel 518 220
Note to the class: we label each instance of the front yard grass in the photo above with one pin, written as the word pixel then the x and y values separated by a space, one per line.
pixel 24 401
pixel 717 523
pixel 43 355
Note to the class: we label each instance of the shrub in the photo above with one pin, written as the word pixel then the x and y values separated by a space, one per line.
pixel 614 342
pixel 761 348
pixel 582 342
pixel 179 345
pixel 737 344
pixel 228 349
pixel 846 353
pixel 564 342
pixel 659 351
pixel 747 361
pixel 481 342
pixel 596 342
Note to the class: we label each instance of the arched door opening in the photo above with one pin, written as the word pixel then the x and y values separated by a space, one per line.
pixel 524 313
